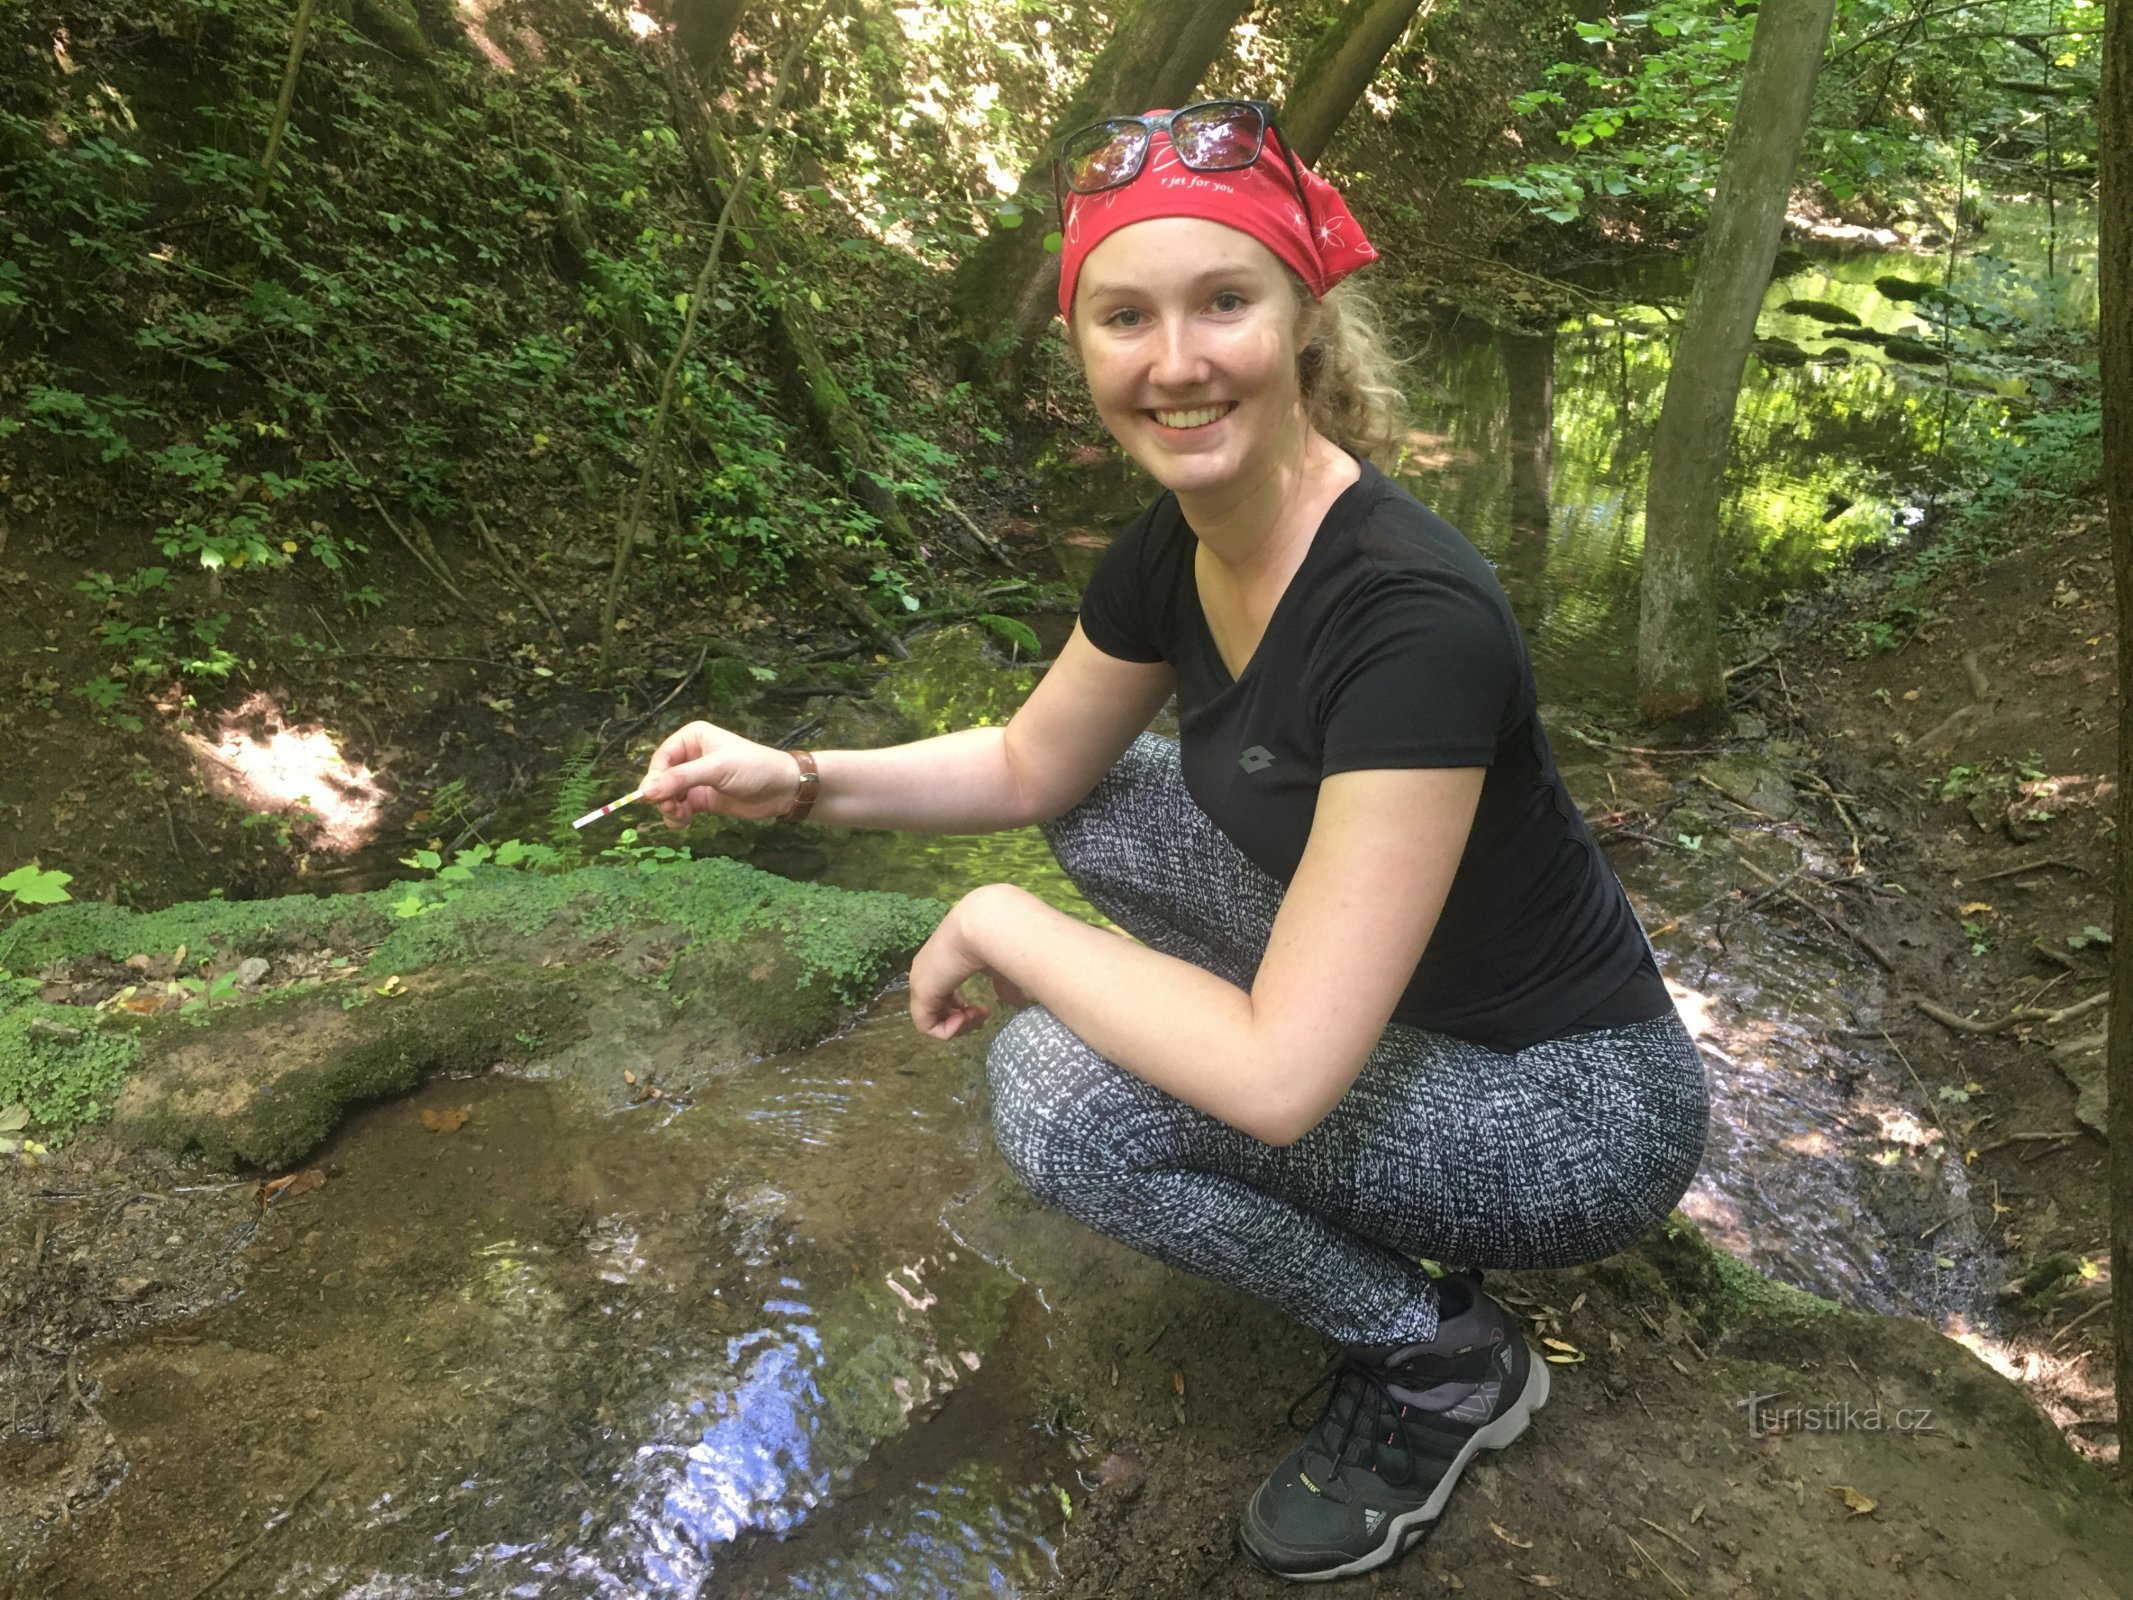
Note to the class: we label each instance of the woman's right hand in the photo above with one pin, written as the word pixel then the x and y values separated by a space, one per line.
pixel 704 768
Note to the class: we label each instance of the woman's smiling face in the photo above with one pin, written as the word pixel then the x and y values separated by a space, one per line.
pixel 1187 332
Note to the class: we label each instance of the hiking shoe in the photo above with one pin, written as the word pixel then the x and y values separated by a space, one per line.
pixel 1399 1425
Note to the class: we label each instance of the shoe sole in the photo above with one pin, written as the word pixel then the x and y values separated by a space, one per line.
pixel 1410 1528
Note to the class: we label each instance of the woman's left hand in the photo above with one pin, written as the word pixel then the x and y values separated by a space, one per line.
pixel 941 967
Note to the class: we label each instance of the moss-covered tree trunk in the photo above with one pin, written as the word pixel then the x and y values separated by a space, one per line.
pixel 1339 68
pixel 1679 676
pixel 2115 148
pixel 1007 288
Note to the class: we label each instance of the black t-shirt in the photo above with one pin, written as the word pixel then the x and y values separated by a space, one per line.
pixel 1394 646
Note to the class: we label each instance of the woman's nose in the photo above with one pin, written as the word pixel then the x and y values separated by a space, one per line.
pixel 1179 360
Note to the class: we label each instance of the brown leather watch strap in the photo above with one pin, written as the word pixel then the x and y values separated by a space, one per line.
pixel 810 786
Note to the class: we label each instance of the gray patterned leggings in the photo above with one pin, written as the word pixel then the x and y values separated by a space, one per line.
pixel 1560 1154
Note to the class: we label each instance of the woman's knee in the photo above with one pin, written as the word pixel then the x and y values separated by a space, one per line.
pixel 1040 1074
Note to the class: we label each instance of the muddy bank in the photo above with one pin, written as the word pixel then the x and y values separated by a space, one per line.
pixel 1977 763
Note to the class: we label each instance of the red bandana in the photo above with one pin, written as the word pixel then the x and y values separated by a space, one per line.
pixel 1259 200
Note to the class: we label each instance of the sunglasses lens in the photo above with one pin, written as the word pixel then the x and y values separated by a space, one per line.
pixel 1104 156
pixel 1219 138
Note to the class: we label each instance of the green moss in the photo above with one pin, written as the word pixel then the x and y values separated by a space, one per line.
pixel 203 927
pixel 782 958
pixel 224 1091
pixel 1719 1290
pixel 64 1064
pixel 1821 311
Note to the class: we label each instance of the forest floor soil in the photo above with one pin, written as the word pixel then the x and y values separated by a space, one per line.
pixel 1979 760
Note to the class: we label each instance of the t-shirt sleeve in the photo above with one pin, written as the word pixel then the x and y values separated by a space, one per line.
pixel 1119 612
pixel 1424 672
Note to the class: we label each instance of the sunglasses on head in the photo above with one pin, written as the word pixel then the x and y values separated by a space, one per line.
pixel 1212 136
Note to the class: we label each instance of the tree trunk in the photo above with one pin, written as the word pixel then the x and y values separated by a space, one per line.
pixel 1529 365
pixel 704 30
pixel 1338 70
pixel 1679 677
pixel 280 124
pixel 2116 148
pixel 1008 286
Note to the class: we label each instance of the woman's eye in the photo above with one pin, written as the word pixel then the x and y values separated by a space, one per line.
pixel 1124 317
pixel 1228 300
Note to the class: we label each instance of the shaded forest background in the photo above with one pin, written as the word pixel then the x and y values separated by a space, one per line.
pixel 434 341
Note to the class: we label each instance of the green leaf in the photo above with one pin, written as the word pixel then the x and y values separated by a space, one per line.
pixel 1010 217
pixel 35 887
pixel 1054 241
pixel 1561 213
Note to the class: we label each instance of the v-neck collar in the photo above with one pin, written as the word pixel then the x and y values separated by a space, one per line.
pixel 1346 506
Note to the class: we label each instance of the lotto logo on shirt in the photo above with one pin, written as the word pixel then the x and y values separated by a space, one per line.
pixel 1256 759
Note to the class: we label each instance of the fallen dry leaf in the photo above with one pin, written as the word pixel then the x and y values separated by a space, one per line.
pixel 1177 1382
pixel 1859 1503
pixel 1508 1537
pixel 448 1120
pixel 1541 1580
pixel 293 1183
pixel 629 1077
pixel 1558 1344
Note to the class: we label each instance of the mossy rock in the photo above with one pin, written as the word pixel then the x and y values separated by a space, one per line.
pixel 759 995
pixel 1821 311
pixel 1904 289
pixel 263 1084
pixel 954 680
pixel 445 977
pixel 1914 353
pixel 1779 353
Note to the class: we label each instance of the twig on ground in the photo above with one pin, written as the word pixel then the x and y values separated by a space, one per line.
pixel 1642 749
pixel 1880 956
pixel 2030 866
pixel 1851 828
pixel 1654 1560
pixel 2063 1333
pixel 431 562
pixel 394 655
pixel 2019 1015
pixel 2005 1140
pixel 1923 1093
pixel 260 1538
pixel 1669 1533
pixel 986 541
pixel 511 575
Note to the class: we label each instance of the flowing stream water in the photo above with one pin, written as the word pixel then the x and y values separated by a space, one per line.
pixel 766 1342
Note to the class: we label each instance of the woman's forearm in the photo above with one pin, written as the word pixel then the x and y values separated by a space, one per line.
pixel 961 782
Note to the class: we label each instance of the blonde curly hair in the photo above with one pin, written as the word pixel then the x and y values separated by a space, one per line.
pixel 1349 374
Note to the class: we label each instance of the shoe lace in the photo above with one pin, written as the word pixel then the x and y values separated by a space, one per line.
pixel 1359 1406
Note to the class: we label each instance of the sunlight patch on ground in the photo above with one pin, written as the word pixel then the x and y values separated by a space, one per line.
pixel 298 772
pixel 473 20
